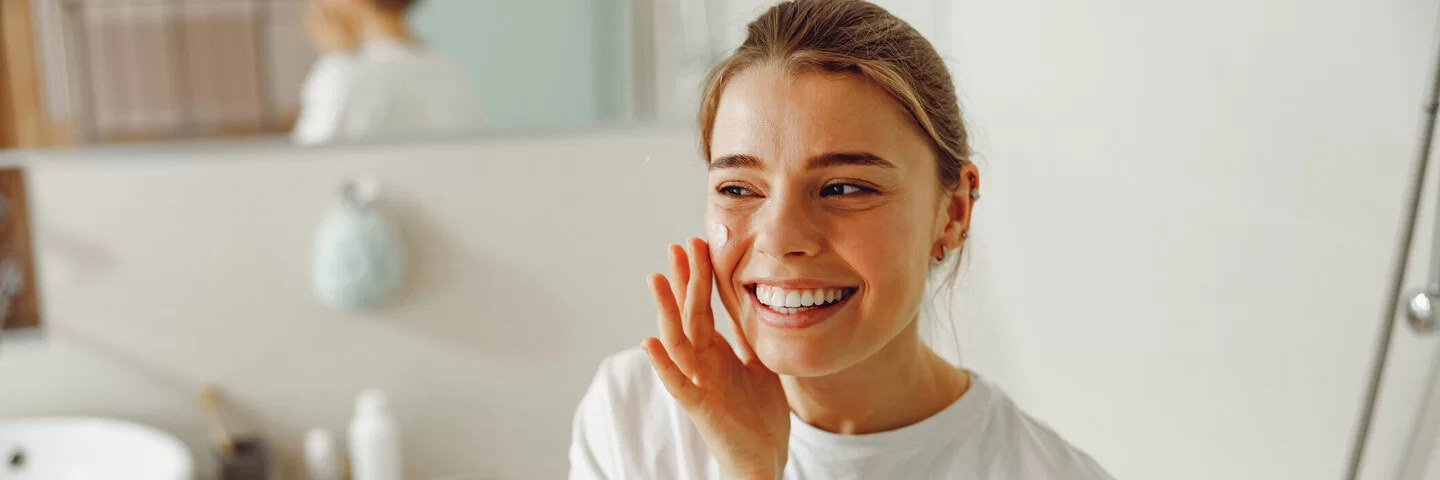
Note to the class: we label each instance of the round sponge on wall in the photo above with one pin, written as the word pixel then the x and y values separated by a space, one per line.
pixel 360 260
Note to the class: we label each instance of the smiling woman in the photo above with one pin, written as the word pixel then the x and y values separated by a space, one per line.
pixel 839 172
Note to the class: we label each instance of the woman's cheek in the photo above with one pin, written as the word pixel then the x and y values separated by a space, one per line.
pixel 717 234
pixel 722 232
pixel 723 228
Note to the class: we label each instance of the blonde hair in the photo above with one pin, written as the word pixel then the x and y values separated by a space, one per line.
pixel 853 36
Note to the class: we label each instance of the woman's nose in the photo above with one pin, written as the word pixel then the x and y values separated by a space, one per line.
pixel 786 227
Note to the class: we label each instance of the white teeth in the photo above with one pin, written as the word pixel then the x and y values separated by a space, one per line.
pixel 792 299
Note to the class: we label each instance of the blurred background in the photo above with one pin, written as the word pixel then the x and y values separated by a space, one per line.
pixel 1204 225
pixel 154 70
pixel 113 71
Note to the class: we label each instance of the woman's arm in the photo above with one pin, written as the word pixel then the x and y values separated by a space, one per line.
pixel 323 99
pixel 324 96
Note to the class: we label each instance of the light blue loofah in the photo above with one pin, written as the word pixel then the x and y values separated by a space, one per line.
pixel 359 257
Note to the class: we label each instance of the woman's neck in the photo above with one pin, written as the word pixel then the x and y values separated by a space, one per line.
pixel 380 25
pixel 902 384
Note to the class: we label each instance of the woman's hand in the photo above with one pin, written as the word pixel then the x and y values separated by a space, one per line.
pixel 738 405
pixel 330 30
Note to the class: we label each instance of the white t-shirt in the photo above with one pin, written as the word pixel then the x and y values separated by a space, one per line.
pixel 384 88
pixel 628 427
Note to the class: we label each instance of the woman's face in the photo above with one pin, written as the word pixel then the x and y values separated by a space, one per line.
pixel 828 195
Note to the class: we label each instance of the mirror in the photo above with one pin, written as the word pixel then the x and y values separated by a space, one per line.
pixel 121 71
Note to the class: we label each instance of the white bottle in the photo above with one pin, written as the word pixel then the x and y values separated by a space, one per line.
pixel 322 456
pixel 374 439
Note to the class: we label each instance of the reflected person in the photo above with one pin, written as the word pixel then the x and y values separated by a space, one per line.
pixel 374 77
pixel 839 182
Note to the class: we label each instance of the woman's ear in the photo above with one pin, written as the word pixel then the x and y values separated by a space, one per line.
pixel 959 208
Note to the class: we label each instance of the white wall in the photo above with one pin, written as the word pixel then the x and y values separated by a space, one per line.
pixel 167 270
pixel 679 58
pixel 1197 202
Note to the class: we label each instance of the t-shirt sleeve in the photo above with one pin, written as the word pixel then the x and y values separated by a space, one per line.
pixel 324 98
pixel 593 439
pixel 1040 453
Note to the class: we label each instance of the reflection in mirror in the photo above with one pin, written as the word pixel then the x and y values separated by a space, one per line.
pixel 322 70
pixel 148 70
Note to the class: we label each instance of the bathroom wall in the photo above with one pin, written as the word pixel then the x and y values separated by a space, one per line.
pixel 1206 201
pixel 692 32
pixel 165 270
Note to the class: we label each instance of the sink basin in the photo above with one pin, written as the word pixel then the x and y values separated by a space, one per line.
pixel 70 448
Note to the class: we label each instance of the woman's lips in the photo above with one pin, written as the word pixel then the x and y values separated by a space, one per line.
pixel 797 308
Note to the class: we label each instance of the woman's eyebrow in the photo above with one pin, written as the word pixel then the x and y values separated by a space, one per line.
pixel 831 159
pixel 735 161
pixel 835 159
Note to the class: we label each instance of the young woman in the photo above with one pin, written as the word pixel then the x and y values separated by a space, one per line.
pixel 373 78
pixel 839 179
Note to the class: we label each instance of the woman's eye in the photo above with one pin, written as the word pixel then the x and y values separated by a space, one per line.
pixel 843 189
pixel 735 191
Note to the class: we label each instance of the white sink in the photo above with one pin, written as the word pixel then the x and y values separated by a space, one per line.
pixel 89 449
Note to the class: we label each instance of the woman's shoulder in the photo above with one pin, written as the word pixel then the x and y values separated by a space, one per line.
pixel 626 390
pixel 1030 448
pixel 628 426
pixel 627 372
pixel 625 385
pixel 620 399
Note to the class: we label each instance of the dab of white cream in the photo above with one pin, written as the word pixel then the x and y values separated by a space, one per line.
pixel 718 235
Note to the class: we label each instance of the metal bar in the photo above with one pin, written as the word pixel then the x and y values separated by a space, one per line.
pixel 1391 311
pixel 1433 285
pixel 1422 439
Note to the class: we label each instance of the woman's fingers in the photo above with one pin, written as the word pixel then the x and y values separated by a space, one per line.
pixel 699 319
pixel 743 350
pixel 675 381
pixel 672 332
pixel 679 272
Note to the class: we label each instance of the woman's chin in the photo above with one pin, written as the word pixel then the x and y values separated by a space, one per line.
pixel 799 357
